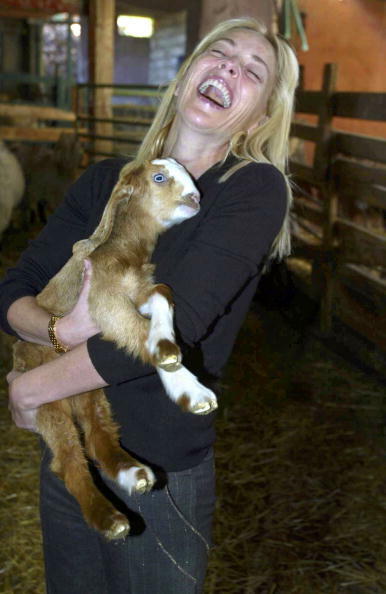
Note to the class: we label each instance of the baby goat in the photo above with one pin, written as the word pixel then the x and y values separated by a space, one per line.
pixel 145 201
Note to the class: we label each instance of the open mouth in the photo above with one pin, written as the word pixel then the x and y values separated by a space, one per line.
pixel 216 91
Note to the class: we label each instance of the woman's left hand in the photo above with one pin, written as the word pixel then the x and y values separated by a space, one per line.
pixel 23 418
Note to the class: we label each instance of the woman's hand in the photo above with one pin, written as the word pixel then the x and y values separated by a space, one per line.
pixel 77 326
pixel 23 418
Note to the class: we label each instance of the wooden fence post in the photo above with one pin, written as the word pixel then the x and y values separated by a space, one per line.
pixel 101 51
pixel 322 172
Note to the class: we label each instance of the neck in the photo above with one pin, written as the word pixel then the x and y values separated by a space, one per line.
pixel 197 152
pixel 135 232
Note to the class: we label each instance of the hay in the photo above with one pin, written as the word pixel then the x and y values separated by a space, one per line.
pixel 301 480
pixel 21 567
pixel 301 490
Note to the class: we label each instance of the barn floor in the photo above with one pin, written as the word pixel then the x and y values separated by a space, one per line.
pixel 301 471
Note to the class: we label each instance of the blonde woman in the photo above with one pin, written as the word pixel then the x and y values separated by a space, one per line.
pixel 226 117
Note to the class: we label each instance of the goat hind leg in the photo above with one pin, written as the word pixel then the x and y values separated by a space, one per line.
pixel 101 436
pixel 56 426
pixel 158 305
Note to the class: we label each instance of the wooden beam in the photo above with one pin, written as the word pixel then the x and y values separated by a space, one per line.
pixel 34 112
pixel 363 280
pixel 101 61
pixel 360 146
pixel 193 21
pixel 303 172
pixel 350 172
pixel 308 210
pixel 304 131
pixel 372 195
pixel 321 159
pixel 364 106
pixel 308 102
pixel 33 134
pixel 357 245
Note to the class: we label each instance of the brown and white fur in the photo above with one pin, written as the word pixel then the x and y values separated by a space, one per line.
pixel 131 311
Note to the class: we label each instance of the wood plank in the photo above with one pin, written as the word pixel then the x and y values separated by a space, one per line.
pixel 308 102
pixel 129 138
pixel 357 245
pixel 101 66
pixel 303 172
pixel 350 172
pixel 365 282
pixel 38 134
pixel 358 317
pixel 363 106
pixel 36 112
pixel 360 146
pixel 134 121
pixel 322 150
pixel 372 195
pixel 378 196
pixel 304 131
pixel 308 210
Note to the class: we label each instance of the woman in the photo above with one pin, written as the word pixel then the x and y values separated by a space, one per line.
pixel 226 117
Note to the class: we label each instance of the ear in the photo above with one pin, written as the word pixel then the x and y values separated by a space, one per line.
pixel 103 230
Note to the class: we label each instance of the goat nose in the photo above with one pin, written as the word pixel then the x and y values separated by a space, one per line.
pixel 195 196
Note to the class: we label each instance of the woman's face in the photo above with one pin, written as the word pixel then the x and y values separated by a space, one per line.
pixel 227 88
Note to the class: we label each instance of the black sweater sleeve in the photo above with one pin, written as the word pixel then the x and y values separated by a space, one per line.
pixel 226 251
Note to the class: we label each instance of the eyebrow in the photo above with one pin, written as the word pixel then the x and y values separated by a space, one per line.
pixel 254 56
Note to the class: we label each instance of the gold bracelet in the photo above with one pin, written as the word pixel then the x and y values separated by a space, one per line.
pixel 59 348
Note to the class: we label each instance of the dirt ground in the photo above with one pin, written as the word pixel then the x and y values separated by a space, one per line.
pixel 301 469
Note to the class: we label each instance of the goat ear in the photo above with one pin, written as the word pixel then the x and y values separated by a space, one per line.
pixel 103 230
pixel 130 183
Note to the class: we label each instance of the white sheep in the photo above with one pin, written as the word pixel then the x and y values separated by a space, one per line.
pixel 12 185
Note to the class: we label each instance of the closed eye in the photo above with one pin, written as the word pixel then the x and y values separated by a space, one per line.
pixel 217 52
pixel 255 75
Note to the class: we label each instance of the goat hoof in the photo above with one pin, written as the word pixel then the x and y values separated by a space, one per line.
pixel 119 528
pixel 170 364
pixel 138 479
pixel 204 408
pixel 200 407
pixel 168 355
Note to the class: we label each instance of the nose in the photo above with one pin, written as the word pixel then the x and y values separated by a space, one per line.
pixel 230 66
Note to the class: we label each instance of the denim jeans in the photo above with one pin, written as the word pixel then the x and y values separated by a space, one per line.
pixel 166 551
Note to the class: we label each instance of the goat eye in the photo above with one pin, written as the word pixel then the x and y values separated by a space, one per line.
pixel 159 178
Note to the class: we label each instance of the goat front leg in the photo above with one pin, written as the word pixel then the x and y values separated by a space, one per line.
pixel 185 390
pixel 158 305
pixel 180 384
pixel 101 438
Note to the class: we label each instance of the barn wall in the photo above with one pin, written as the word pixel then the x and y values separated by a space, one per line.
pixel 11 32
pixel 214 11
pixel 131 60
pixel 167 47
pixel 350 33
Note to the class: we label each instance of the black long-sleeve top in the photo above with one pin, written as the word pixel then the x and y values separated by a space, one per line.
pixel 212 262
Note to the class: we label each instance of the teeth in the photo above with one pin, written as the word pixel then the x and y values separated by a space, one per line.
pixel 213 82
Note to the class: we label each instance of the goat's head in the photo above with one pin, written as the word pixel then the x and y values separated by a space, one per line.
pixel 172 196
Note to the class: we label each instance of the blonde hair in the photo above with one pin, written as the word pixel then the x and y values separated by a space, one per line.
pixel 267 142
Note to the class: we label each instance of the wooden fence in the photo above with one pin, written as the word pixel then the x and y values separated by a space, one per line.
pixel 339 210
pixel 117 125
